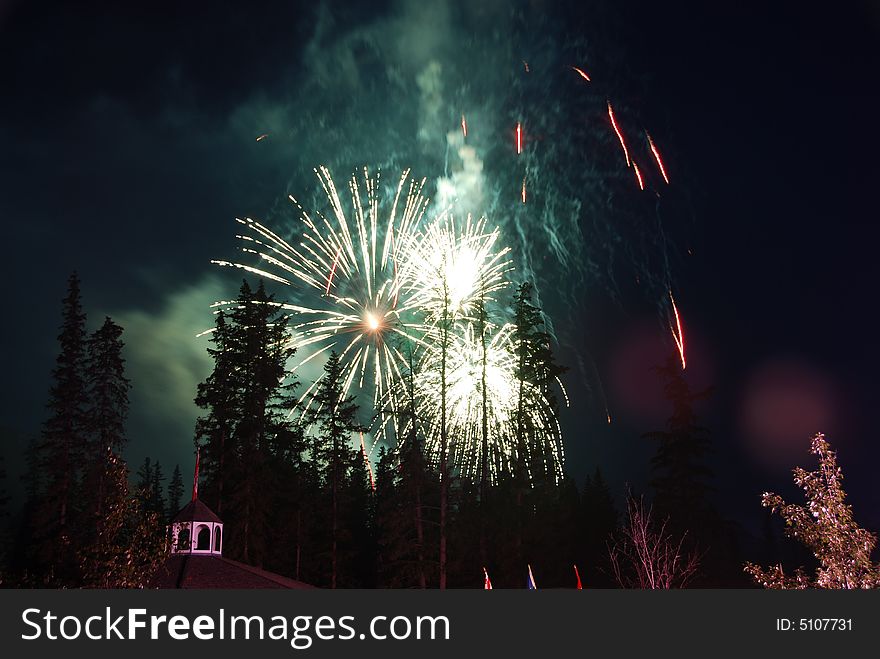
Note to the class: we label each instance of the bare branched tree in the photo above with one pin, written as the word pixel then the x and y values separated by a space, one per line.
pixel 644 553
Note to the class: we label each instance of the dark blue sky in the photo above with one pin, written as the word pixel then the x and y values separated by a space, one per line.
pixel 128 148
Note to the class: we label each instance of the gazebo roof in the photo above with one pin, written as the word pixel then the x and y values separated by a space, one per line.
pixel 196 511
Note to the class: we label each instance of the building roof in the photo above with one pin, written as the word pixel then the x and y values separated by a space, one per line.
pixel 196 511
pixel 207 571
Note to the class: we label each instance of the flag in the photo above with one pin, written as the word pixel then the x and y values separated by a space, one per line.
pixel 578 575
pixel 531 580
pixel 487 584
pixel 196 478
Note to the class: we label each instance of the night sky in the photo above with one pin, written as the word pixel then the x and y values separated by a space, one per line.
pixel 127 147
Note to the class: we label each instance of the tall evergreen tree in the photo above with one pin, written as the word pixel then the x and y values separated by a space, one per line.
pixel 107 411
pixel 264 401
pixel 535 367
pixel 218 394
pixel 27 560
pixel 598 522
pixel 335 417
pixel 680 475
pixel 175 493
pixel 246 436
pixel 107 387
pixel 65 437
pixel 156 493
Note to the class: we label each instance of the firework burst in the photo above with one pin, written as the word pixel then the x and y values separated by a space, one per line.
pixel 344 267
pixel 482 387
pixel 449 267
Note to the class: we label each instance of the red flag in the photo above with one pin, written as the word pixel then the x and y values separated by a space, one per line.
pixel 578 575
pixel 196 478
pixel 487 584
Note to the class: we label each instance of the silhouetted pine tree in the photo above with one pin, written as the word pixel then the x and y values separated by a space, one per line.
pixel 156 494
pixel 64 440
pixel 679 471
pixel 357 550
pixel 246 438
pixel 218 394
pixel 535 366
pixel 175 493
pixel 334 417
pixel 27 564
pixel 598 522
pixel 261 421
pixel 106 414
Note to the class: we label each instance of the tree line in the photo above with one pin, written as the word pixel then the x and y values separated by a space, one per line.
pixel 82 524
pixel 299 496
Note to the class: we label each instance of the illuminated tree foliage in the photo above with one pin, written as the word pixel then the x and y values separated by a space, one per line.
pixel 130 542
pixel 827 528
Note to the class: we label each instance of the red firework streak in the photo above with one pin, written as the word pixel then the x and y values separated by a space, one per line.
pixel 657 157
pixel 518 138
pixel 638 175
pixel 464 126
pixel 617 131
pixel 367 462
pixel 581 73
pixel 333 270
pixel 487 583
pixel 580 586
pixel 677 334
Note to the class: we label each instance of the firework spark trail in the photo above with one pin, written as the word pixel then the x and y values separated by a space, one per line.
pixel 677 333
pixel 523 195
pixel 333 270
pixel 657 157
pixel 262 137
pixel 352 309
pixel 518 138
pixel 464 396
pixel 638 175
pixel 463 126
pixel 619 134
pixel 582 73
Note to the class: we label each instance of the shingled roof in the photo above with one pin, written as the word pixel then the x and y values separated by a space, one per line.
pixel 200 571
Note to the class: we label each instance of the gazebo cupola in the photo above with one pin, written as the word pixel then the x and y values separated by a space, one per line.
pixel 196 529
